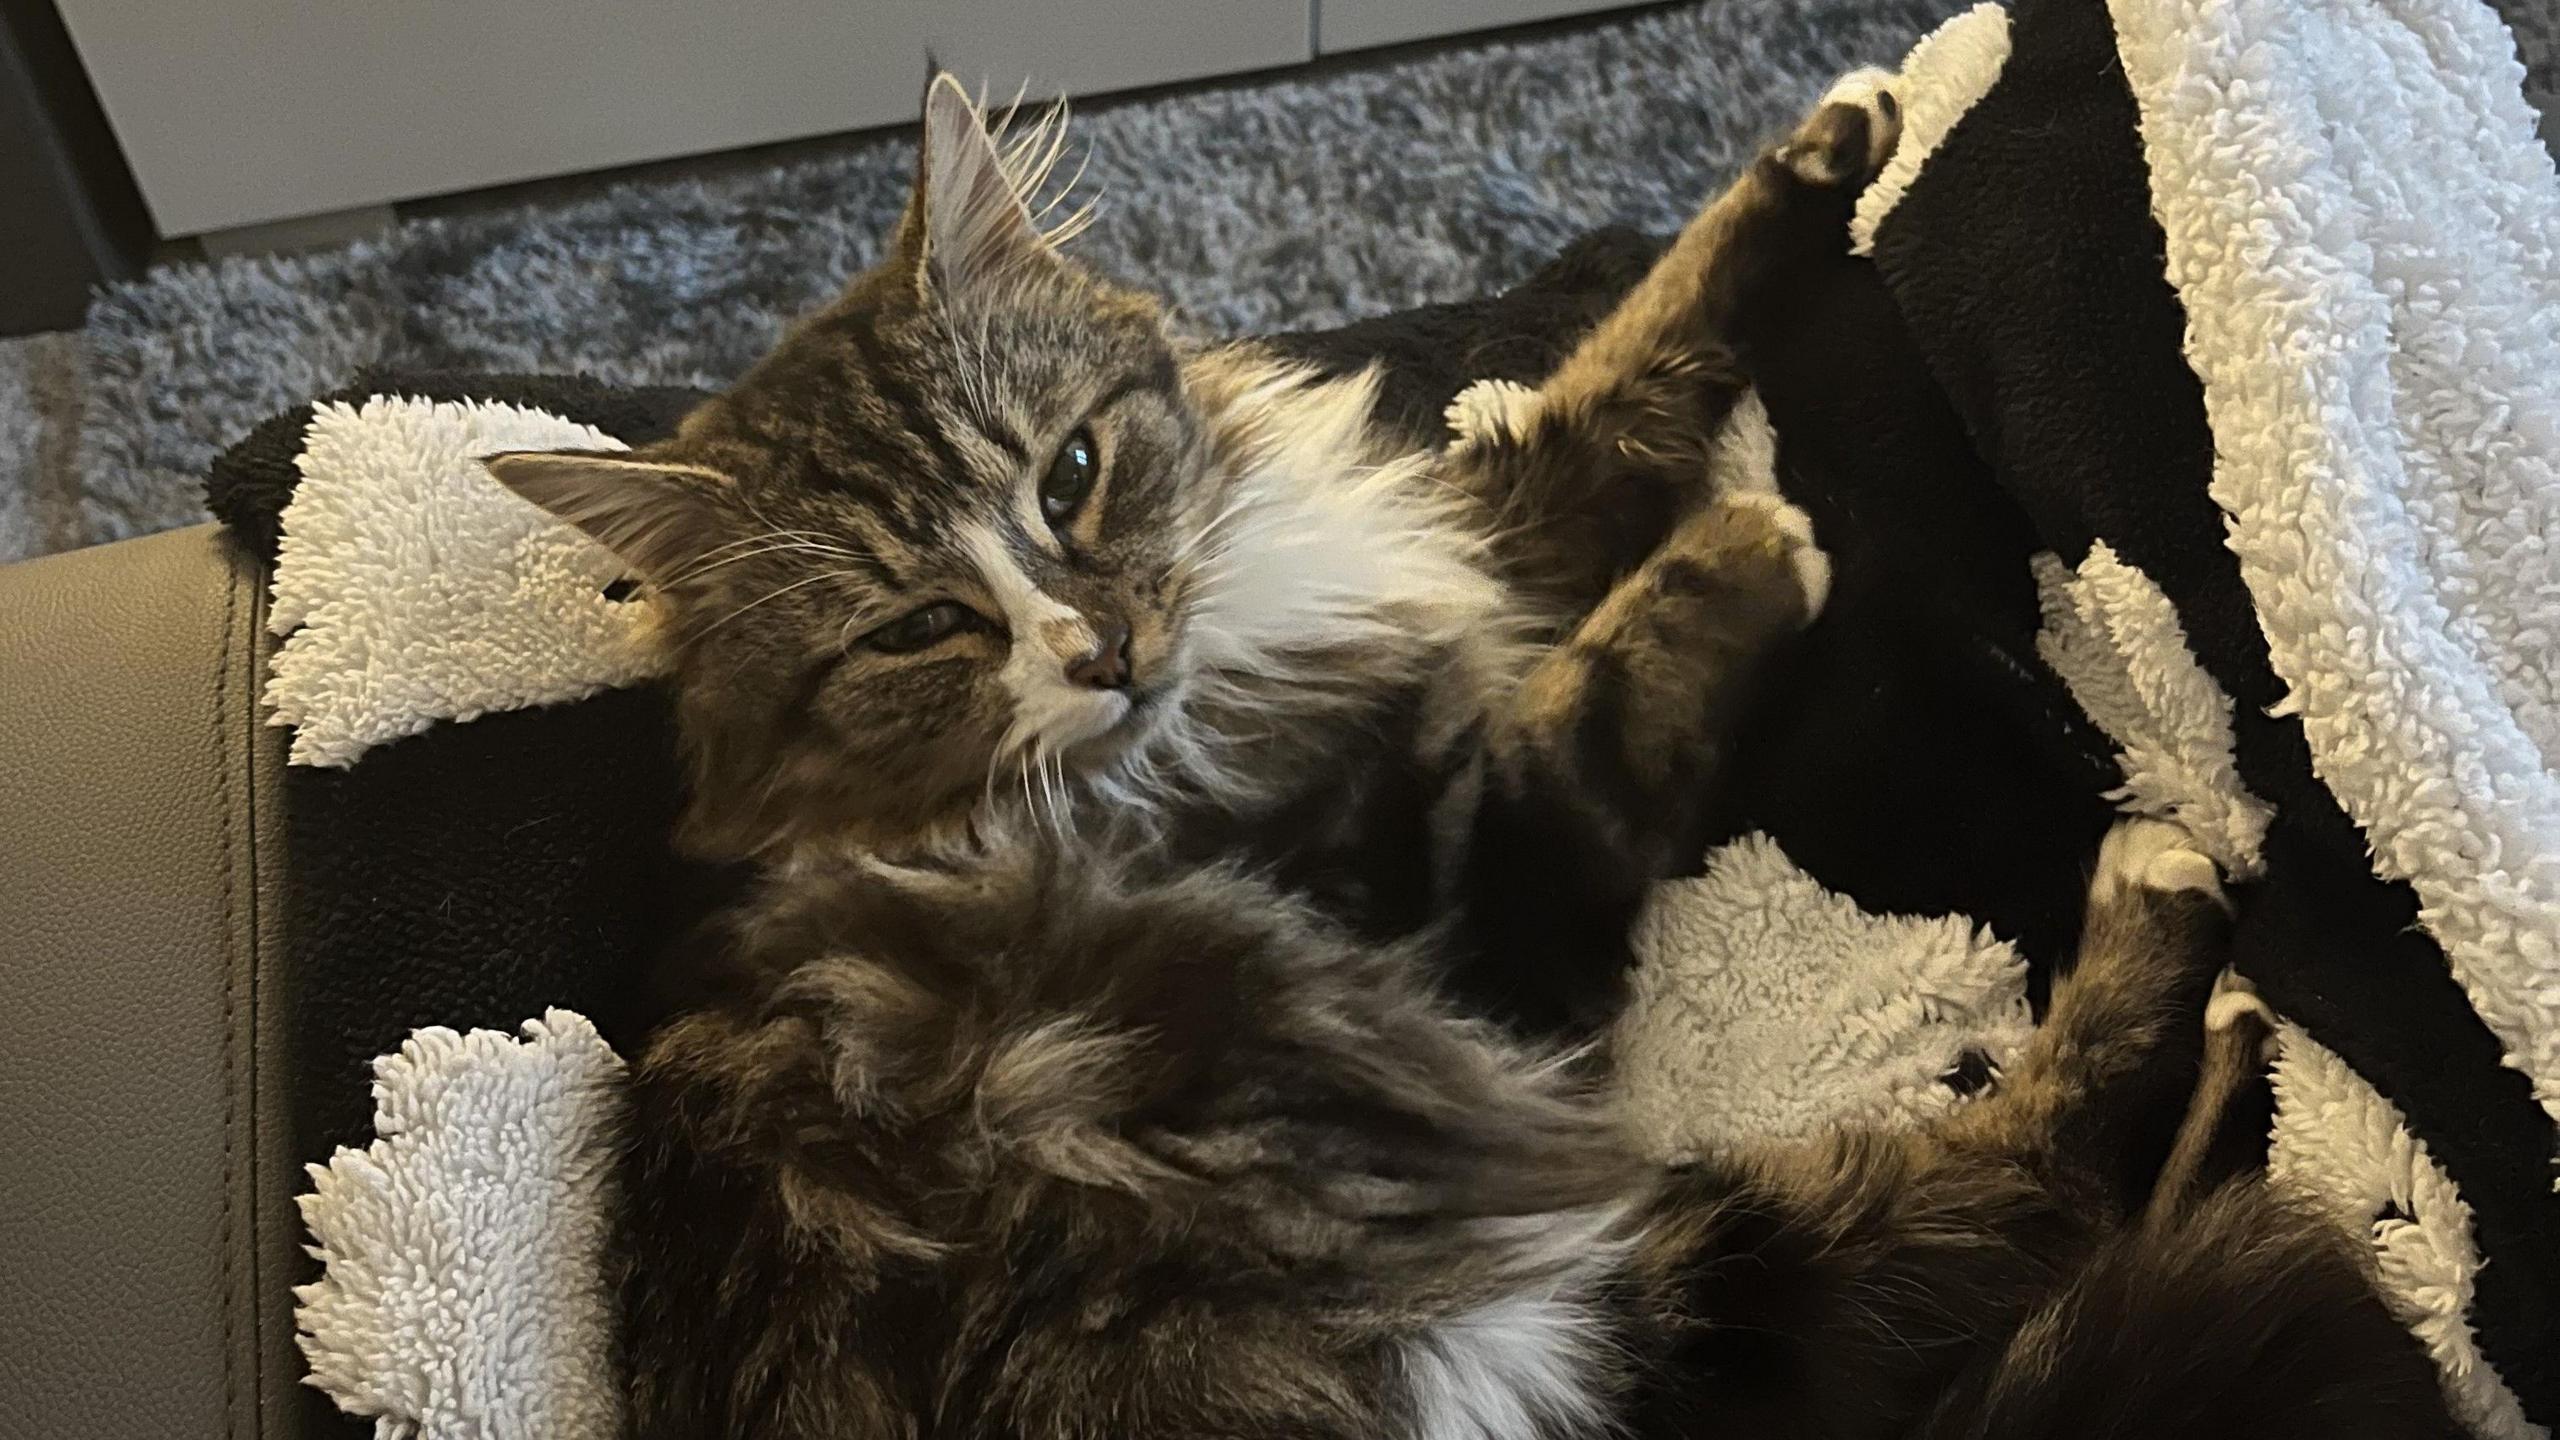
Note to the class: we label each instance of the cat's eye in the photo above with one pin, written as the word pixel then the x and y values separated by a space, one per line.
pixel 918 629
pixel 1070 479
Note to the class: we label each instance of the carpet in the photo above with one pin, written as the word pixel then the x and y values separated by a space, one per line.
pixel 1263 204
pixel 1298 201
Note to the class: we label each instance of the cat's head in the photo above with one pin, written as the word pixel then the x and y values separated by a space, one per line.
pixel 940 531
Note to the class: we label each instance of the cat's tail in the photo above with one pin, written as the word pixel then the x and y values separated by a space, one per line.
pixel 2251 1317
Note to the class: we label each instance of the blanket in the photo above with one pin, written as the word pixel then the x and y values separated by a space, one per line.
pixel 2183 435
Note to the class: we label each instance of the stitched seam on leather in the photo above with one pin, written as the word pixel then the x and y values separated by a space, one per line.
pixel 230 996
pixel 249 587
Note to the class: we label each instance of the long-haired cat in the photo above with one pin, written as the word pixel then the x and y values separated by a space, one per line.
pixel 1059 1135
pixel 980 539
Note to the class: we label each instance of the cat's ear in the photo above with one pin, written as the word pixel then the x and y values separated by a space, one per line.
pixel 663 519
pixel 967 219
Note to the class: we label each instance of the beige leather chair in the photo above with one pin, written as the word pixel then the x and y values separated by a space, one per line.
pixel 147 1233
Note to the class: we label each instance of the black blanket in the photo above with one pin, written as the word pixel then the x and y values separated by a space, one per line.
pixel 2006 435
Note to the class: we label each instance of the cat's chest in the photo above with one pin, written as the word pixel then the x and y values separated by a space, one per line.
pixel 1352 829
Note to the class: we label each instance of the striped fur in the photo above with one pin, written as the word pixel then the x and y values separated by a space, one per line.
pixel 1405 678
pixel 1119 1058
pixel 1028 1148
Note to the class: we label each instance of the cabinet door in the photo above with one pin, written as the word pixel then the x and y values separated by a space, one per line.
pixel 1357 24
pixel 235 112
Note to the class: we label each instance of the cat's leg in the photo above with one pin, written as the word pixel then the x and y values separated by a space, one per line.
pixel 1586 473
pixel 1973 1279
pixel 2097 1095
pixel 1595 765
pixel 1797 195
pixel 2224 1134
pixel 1835 1287
pixel 2219 1306
pixel 1830 1289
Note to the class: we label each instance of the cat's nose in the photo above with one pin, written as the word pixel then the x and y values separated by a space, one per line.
pixel 1106 665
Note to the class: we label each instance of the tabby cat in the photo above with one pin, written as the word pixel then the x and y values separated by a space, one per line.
pixel 992 613
pixel 979 540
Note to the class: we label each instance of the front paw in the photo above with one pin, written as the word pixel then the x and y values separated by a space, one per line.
pixel 1759 533
pixel 1849 136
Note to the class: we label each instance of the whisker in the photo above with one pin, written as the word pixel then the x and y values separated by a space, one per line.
pixel 774 594
pixel 830 552
pixel 1062 805
pixel 1204 532
pixel 770 533
pixel 1045 812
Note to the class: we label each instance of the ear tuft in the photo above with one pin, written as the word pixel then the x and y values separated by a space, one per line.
pixel 973 194
pixel 662 518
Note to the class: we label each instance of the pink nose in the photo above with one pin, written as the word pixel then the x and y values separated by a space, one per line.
pixel 1106 665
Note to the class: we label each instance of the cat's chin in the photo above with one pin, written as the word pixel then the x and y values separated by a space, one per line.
pixel 1114 732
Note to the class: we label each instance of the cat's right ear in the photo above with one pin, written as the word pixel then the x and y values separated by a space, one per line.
pixel 662 519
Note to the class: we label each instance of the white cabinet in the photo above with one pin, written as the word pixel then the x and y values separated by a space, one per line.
pixel 243 112
pixel 1358 24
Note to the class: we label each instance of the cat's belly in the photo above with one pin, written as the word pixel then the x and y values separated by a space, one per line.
pixel 1518 1369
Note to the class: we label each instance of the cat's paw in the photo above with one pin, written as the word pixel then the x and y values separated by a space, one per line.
pixel 1492 410
pixel 1850 134
pixel 2235 1017
pixel 2235 1005
pixel 1765 518
pixel 2154 855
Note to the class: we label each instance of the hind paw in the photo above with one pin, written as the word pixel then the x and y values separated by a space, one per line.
pixel 1850 134
pixel 2153 855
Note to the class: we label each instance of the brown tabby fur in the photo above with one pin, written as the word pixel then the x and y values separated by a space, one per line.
pixel 1047 1134
pixel 1407 680
pixel 1021 1149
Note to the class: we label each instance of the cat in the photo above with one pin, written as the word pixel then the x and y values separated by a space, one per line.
pixel 1055 1134
pixel 1024 1146
pixel 980 540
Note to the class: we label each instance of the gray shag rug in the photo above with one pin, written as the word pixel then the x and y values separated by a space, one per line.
pixel 1303 201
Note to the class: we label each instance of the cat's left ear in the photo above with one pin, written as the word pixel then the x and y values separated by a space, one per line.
pixel 967 219
pixel 663 519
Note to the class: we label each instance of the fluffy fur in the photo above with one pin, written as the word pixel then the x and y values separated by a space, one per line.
pixel 978 542
pixel 1029 1149
pixel 1044 1136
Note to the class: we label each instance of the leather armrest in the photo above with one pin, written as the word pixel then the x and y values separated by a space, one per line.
pixel 147 1235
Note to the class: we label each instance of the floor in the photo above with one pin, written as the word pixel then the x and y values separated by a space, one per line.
pixel 1350 187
